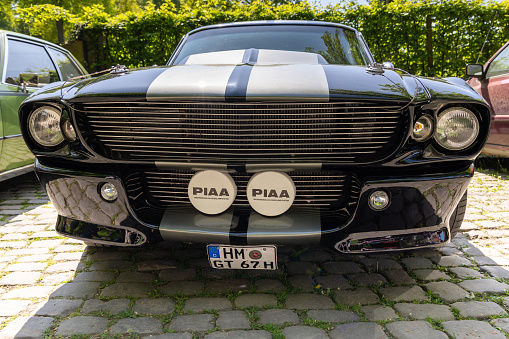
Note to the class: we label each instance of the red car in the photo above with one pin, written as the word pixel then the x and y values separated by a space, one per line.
pixel 492 82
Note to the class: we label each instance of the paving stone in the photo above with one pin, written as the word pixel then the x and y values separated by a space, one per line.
pixel 26 267
pixel 21 278
pixel 467 329
pixel 269 285
pixel 232 320
pixel 28 251
pixel 26 327
pixel 171 336
pixel 496 271
pixel 255 300
pixel 114 306
pixel 28 292
pixel 153 306
pixel 365 279
pixel 58 307
pixel 67 248
pixel 341 267
pixel 308 301
pixel 428 275
pixel 502 323
pixel 13 244
pixel 491 261
pixel 399 277
pixel 82 325
pixel 256 334
pixel 179 288
pixel 35 258
pixel 318 256
pixel 108 255
pixel 297 332
pixel 403 293
pixel 196 322
pixel 301 267
pixel 58 278
pixel 178 275
pixel 135 277
pixel 144 325
pixel 378 313
pixel 362 296
pixel 229 285
pixel 134 290
pixel 414 329
pixel 451 261
pixel 333 316
pixel 465 273
pixel 416 263
pixel 9 308
pixel 302 282
pixel 66 267
pixel 376 265
pixel 358 330
pixel 278 317
pixel 423 311
pixel 94 276
pixel 484 286
pixel 204 304
pixel 45 243
pixel 214 274
pixel 447 291
pixel 479 309
pixel 157 265
pixel 109 265
pixel 80 290
pixel 333 282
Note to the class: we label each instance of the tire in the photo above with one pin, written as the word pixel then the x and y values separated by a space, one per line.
pixel 458 215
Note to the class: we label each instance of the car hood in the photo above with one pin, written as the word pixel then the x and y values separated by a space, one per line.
pixel 230 76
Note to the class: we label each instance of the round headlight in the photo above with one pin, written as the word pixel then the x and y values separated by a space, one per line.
pixel 68 130
pixel 423 128
pixel 44 126
pixel 457 128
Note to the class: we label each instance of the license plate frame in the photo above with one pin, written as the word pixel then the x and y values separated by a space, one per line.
pixel 242 257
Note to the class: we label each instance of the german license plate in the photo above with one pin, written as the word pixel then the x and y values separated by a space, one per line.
pixel 243 257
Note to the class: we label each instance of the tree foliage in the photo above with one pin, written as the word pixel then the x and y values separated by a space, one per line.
pixel 426 37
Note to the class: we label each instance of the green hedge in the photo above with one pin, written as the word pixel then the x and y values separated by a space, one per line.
pixel 427 38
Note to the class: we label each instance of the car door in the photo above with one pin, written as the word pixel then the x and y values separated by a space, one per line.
pixel 494 87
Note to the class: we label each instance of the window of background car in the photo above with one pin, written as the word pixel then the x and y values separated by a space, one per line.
pixel 499 65
pixel 25 57
pixel 67 68
pixel 335 44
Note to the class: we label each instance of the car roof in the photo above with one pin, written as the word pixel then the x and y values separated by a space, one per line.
pixel 31 38
pixel 272 22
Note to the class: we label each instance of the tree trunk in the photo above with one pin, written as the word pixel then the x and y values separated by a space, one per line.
pixel 429 45
pixel 60 31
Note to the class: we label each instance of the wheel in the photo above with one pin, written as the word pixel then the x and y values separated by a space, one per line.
pixel 458 215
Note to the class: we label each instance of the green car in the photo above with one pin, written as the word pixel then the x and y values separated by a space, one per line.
pixel 26 64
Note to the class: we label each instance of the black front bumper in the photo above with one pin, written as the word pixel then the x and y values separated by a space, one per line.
pixel 418 215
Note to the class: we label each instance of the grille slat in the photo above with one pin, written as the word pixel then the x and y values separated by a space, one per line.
pixel 341 132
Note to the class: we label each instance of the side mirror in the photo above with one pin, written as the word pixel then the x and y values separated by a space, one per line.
pixel 388 65
pixel 474 71
pixel 29 79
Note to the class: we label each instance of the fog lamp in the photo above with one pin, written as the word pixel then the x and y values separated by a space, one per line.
pixel 44 126
pixel 109 192
pixel 457 128
pixel 379 200
pixel 423 128
pixel 68 130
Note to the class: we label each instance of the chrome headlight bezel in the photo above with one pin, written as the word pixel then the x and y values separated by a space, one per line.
pixel 457 137
pixel 44 126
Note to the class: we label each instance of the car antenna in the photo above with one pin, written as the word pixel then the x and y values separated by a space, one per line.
pixel 486 39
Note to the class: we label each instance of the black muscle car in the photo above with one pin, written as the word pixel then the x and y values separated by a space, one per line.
pixel 258 134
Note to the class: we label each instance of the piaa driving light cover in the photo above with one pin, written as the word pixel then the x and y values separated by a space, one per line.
pixel 423 128
pixel 44 126
pixel 457 128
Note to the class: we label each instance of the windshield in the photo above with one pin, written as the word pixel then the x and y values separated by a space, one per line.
pixel 335 44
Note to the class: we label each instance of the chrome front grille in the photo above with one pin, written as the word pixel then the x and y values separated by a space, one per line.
pixel 341 132
pixel 323 189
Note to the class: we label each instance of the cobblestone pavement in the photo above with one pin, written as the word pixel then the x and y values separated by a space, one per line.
pixel 56 287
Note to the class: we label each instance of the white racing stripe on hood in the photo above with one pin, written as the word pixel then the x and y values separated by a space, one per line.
pixel 275 57
pixel 190 82
pixel 217 58
pixel 288 82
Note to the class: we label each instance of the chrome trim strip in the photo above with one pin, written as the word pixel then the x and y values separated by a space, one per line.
pixel 12 136
pixel 190 166
pixel 281 167
pixel 15 172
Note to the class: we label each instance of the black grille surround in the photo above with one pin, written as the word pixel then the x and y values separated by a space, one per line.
pixel 240 133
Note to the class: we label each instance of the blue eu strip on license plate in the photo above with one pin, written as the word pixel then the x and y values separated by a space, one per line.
pixel 243 257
